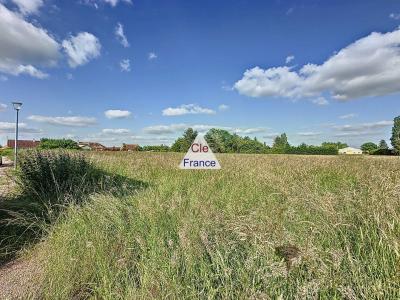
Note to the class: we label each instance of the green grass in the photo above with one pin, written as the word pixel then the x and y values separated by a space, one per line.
pixel 213 234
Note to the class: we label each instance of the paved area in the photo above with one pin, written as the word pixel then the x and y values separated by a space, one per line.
pixel 19 279
pixel 6 183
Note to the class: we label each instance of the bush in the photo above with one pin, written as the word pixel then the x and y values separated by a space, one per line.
pixel 56 175
pixel 383 152
pixel 58 144
pixel 158 148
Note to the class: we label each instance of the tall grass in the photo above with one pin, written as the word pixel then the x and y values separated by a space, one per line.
pixel 214 234
pixel 48 183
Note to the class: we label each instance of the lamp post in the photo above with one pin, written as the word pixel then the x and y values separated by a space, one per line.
pixel 17 107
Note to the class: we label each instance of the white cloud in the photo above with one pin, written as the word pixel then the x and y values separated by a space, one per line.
pixel 348 116
pixel 125 65
pixel 27 7
pixel 394 16
pixel 3 78
pixel 2 107
pixel 152 56
pixel 309 133
pixel 95 3
pixel 8 127
pixel 321 101
pixel 271 136
pixel 363 126
pixel 248 130
pixel 177 128
pixel 115 2
pixel 24 47
pixel 223 107
pixel 69 76
pixel 186 109
pixel 74 121
pixel 368 67
pixel 81 48
pixel 117 114
pixel 120 35
pixel 289 59
pixel 116 131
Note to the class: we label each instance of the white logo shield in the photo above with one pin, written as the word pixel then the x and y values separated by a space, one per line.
pixel 200 156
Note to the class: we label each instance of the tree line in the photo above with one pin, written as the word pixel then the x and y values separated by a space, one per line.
pixel 222 141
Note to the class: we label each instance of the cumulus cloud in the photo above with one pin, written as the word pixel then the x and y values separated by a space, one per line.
pixel 74 121
pixel 27 7
pixel 117 114
pixel 177 128
pixel 125 65
pixel 368 67
pixel 8 127
pixel 152 56
pixel 81 48
pixel 289 59
pixel 2 107
pixel 223 107
pixel 24 47
pixel 186 109
pixel 348 116
pixel 120 35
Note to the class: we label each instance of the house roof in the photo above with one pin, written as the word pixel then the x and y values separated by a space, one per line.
pixel 23 143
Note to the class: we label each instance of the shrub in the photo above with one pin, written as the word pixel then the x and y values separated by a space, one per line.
pixel 58 144
pixel 55 175
pixel 383 152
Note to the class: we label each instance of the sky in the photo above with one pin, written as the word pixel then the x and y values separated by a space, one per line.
pixel 142 71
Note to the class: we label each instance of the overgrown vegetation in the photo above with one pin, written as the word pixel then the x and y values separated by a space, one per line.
pixel 46 143
pixel 47 183
pixel 214 234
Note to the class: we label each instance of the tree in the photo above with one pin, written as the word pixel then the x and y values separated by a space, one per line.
pixel 281 142
pixel 383 145
pixel 338 145
pixel 219 140
pixel 369 147
pixel 183 143
pixel 58 144
pixel 395 139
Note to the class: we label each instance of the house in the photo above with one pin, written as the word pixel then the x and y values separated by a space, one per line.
pixel 91 146
pixel 130 147
pixel 113 148
pixel 350 150
pixel 23 144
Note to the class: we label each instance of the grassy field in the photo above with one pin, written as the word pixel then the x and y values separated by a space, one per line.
pixel 214 234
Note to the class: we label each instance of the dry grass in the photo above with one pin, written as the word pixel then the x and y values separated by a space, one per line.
pixel 213 234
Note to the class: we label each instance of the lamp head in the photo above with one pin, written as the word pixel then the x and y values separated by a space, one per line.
pixel 17 105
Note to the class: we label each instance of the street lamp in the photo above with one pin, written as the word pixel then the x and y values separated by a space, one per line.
pixel 17 107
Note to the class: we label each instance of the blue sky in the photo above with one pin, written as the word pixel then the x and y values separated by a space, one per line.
pixel 141 71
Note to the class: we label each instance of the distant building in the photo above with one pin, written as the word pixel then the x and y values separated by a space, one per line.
pixel 113 148
pixel 350 150
pixel 23 144
pixel 91 146
pixel 130 147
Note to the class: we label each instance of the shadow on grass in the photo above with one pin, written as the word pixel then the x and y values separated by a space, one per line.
pixel 27 217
